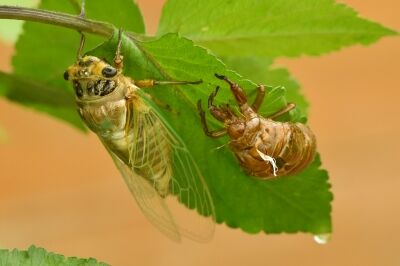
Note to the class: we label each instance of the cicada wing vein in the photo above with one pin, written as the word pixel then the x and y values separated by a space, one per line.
pixel 156 148
pixel 161 172
pixel 152 205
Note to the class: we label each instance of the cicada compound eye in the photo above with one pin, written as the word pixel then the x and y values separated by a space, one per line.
pixel 66 75
pixel 109 72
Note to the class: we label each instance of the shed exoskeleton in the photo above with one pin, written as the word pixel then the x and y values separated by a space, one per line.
pixel 265 148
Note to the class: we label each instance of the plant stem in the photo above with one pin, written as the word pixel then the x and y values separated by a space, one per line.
pixel 57 18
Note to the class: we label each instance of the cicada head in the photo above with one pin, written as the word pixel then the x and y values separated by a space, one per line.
pixel 92 77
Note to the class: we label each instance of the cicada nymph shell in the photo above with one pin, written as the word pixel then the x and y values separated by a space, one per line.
pixel 152 158
pixel 265 148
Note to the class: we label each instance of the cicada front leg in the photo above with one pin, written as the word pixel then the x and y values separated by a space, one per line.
pixel 220 113
pixel 283 111
pixel 259 98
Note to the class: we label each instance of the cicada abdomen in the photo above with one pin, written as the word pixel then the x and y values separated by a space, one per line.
pixel 265 148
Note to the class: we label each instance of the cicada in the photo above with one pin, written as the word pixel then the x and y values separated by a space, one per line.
pixel 152 158
pixel 265 148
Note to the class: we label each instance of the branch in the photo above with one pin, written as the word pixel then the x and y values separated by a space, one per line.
pixel 57 18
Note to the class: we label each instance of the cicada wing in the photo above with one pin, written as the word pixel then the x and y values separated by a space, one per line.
pixel 161 156
pixel 189 187
pixel 152 205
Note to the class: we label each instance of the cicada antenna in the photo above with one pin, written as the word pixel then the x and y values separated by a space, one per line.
pixel 118 59
pixel 81 15
pixel 81 45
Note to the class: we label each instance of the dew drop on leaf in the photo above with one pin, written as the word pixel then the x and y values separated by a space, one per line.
pixel 322 238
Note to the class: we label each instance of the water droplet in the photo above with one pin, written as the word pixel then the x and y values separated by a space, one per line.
pixel 205 29
pixel 322 238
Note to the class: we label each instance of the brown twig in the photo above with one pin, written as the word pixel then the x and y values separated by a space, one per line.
pixel 57 18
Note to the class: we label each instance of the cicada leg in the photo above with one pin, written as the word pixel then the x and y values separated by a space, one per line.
pixel 259 98
pixel 283 111
pixel 221 113
pixel 238 92
pixel 119 59
pixel 146 83
pixel 81 45
pixel 214 134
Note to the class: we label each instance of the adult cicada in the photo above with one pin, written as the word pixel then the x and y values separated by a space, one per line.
pixel 152 158
pixel 265 148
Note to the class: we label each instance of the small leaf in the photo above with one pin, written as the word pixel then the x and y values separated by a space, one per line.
pixel 269 27
pixel 294 204
pixel 40 257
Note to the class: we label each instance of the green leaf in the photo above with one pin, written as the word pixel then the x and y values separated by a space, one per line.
pixel 43 52
pixel 35 256
pixel 269 27
pixel 294 204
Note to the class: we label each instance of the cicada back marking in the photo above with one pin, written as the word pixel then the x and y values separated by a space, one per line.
pixel 265 148
pixel 152 158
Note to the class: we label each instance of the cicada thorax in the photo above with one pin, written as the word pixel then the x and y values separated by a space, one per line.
pixel 292 145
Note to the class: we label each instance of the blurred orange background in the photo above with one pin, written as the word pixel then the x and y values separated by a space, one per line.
pixel 60 190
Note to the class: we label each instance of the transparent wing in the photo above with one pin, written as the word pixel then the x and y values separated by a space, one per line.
pixel 149 201
pixel 161 171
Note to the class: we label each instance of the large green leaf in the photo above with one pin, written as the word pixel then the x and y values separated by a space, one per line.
pixel 40 257
pixel 292 204
pixel 269 27
pixel 43 52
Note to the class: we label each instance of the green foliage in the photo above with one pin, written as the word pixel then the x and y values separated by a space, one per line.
pixel 240 200
pixel 238 30
pixel 35 256
pixel 269 27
